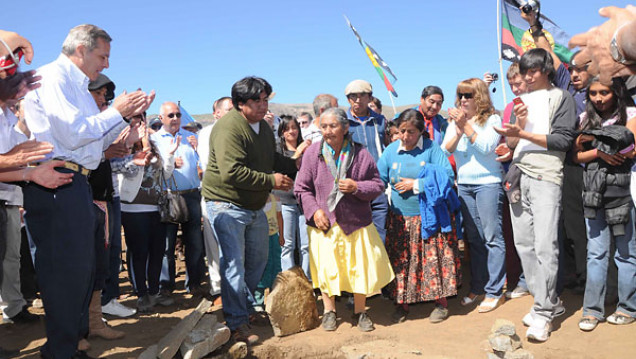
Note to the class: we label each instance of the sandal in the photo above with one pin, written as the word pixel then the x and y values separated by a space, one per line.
pixel 620 319
pixel 467 300
pixel 490 304
pixel 587 324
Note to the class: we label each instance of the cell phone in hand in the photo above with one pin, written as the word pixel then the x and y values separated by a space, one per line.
pixel 517 101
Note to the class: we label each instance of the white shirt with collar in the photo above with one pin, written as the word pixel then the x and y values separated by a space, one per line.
pixel 63 112
pixel 10 136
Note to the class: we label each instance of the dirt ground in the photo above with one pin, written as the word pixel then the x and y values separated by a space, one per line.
pixel 461 336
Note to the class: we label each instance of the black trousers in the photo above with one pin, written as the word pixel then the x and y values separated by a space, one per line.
pixel 61 223
pixel 573 222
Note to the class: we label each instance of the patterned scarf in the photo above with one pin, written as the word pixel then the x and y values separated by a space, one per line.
pixel 338 168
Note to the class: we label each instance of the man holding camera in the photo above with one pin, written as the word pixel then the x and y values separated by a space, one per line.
pixel 539 156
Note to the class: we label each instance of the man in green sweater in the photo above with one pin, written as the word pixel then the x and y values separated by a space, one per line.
pixel 243 168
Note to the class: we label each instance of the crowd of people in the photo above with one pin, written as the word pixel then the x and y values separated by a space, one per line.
pixel 540 193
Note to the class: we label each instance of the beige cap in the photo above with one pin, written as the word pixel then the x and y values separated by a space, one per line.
pixel 358 86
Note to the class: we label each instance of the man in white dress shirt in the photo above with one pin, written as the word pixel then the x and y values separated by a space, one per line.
pixel 61 222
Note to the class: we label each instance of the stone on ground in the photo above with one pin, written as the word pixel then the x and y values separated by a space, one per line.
pixel 206 337
pixel 291 304
pixel 503 326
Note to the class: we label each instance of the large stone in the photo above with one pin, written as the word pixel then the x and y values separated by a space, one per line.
pixel 291 304
pixel 504 343
pixel 206 336
pixel 169 345
pixel 503 326
pixel 519 354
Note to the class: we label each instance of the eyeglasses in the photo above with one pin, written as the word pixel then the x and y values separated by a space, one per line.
pixel 466 95
pixel 355 96
pixel 302 123
pixel 172 115
pixel 9 63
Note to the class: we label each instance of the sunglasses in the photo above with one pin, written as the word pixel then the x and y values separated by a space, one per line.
pixel 466 95
pixel 172 115
pixel 9 63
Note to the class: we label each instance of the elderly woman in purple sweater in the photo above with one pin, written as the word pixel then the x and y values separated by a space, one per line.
pixel 335 185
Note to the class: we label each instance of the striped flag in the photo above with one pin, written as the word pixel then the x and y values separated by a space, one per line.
pixel 380 66
pixel 516 39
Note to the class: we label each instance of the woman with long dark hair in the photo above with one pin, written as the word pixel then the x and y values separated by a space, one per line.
pixel 294 224
pixel 608 107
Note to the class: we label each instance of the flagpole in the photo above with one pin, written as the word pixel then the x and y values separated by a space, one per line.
pixel 501 73
pixel 392 103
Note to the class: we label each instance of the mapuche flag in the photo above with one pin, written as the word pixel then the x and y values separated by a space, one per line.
pixel 515 40
pixel 380 66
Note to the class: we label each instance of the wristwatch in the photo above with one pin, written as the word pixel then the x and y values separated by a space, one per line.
pixel 616 52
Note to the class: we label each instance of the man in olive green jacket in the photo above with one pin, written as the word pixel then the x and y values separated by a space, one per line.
pixel 238 179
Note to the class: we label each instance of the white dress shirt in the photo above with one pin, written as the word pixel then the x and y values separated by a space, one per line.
pixel 63 112
pixel 203 146
pixel 10 136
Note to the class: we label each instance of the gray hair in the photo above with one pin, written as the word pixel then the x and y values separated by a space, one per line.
pixel 322 102
pixel 86 35
pixel 338 113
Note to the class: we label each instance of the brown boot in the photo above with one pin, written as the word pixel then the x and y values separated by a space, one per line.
pixel 83 345
pixel 97 327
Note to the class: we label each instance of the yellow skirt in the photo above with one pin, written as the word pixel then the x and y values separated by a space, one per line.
pixel 356 263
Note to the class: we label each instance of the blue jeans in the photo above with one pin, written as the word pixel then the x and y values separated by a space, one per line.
pixel 243 238
pixel 295 233
pixel 481 213
pixel 193 241
pixel 598 254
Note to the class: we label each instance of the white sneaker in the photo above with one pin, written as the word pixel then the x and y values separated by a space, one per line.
pixel 528 319
pixel 117 309
pixel 539 330
pixel 518 292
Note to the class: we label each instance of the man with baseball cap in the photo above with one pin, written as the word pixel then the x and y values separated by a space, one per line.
pixel 367 127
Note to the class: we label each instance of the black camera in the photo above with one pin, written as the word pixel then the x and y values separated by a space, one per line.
pixel 494 76
pixel 531 6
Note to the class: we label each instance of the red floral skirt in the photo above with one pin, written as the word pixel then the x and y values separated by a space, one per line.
pixel 425 269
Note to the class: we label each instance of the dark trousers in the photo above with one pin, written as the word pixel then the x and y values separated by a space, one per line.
pixel 145 242
pixel 379 211
pixel 61 223
pixel 194 251
pixel 573 224
pixel 101 250
pixel 3 235
pixel 111 287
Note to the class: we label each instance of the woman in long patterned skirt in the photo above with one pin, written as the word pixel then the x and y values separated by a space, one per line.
pixel 421 240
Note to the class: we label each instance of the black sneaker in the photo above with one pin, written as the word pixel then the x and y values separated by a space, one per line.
pixel 363 322
pixel 24 317
pixel 144 305
pixel 399 316
pixel 329 321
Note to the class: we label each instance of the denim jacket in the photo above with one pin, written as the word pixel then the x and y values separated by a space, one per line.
pixel 437 201
pixel 369 133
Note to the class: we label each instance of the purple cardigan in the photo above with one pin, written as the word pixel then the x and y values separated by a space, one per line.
pixel 314 182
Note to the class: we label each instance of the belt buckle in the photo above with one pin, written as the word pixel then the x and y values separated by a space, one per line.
pixel 71 166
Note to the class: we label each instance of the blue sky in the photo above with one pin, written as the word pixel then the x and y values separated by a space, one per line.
pixel 193 51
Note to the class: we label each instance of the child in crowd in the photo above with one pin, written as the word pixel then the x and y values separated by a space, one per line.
pixel 272 210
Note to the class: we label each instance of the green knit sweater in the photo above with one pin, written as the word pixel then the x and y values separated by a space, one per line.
pixel 242 162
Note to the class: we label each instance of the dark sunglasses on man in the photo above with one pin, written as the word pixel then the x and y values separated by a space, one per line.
pixel 172 115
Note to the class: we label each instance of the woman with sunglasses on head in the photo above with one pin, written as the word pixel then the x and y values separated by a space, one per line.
pixel 421 245
pixel 608 107
pixel 294 225
pixel 145 234
pixel 471 137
